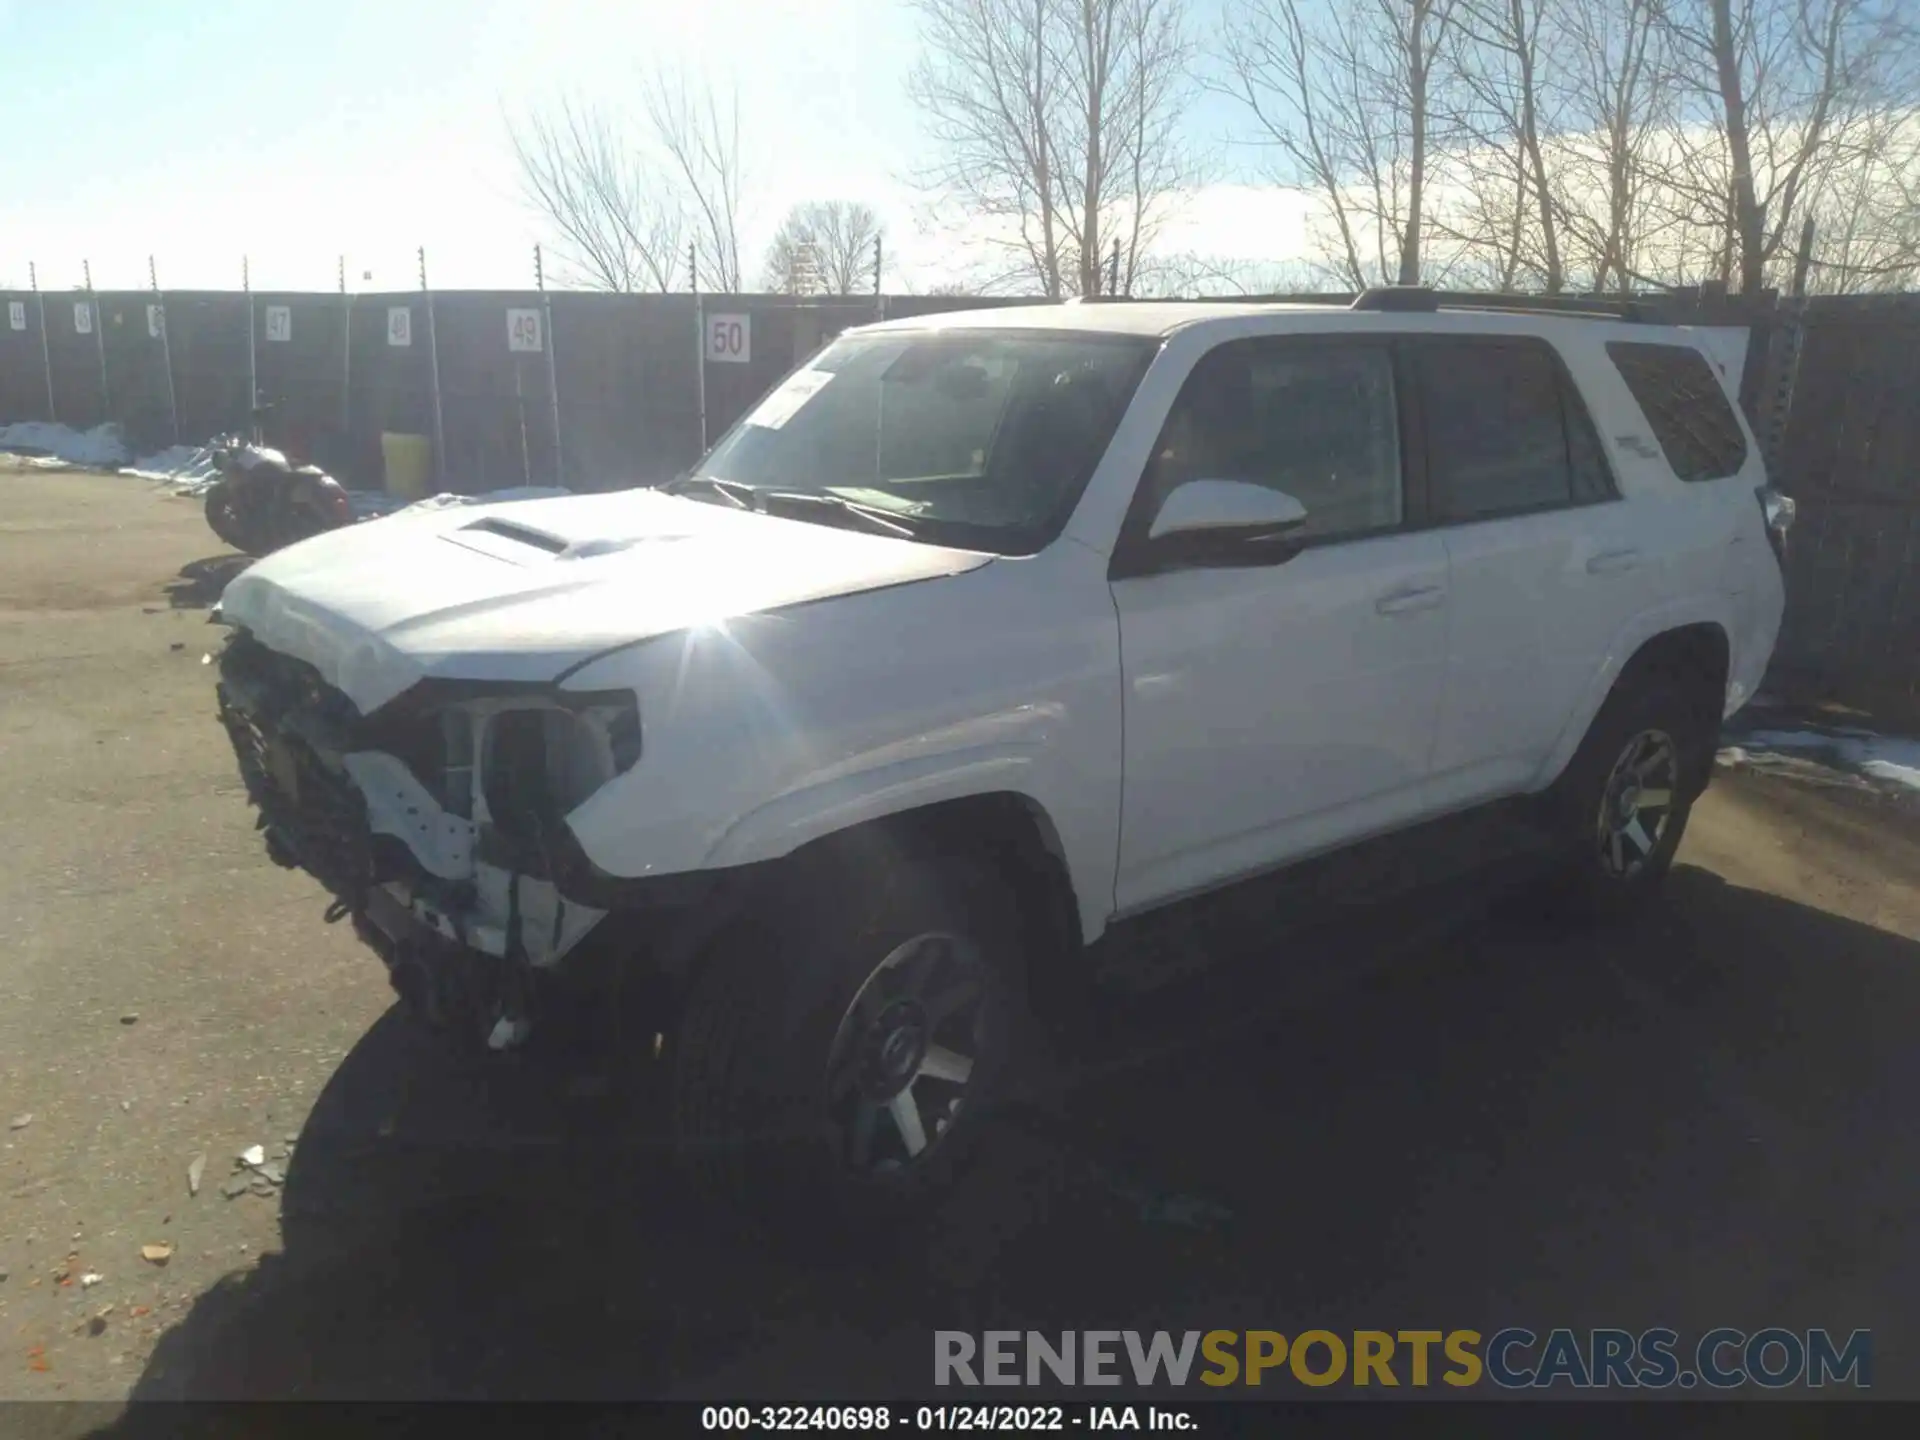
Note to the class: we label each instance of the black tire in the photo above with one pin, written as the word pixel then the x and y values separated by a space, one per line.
pixel 221 518
pixel 756 1115
pixel 1652 739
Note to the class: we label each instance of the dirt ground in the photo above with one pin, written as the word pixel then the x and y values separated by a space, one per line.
pixel 1482 1120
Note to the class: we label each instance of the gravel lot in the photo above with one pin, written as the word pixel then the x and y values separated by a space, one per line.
pixel 1478 1120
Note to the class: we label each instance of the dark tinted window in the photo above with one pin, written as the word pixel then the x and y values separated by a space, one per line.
pixel 1683 402
pixel 1497 433
pixel 1315 421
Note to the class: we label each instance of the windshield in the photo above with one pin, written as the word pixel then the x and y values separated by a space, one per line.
pixel 979 439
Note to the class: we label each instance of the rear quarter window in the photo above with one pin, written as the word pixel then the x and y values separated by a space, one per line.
pixel 1681 397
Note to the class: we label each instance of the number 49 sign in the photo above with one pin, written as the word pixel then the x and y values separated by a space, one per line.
pixel 523 330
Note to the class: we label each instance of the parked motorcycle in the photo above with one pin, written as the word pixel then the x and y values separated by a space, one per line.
pixel 263 502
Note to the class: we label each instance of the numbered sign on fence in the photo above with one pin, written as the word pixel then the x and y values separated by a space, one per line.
pixel 82 318
pixel 730 338
pixel 523 330
pixel 399 325
pixel 280 323
pixel 156 321
pixel 17 314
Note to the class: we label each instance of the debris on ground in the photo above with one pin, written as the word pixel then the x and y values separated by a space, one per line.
pixel 97 1324
pixel 235 1187
pixel 196 1167
pixel 37 1359
pixel 132 1017
pixel 91 1279
pixel 3 1273
pixel 158 1254
pixel 273 1174
pixel 178 645
pixel 20 1122
pixel 253 1156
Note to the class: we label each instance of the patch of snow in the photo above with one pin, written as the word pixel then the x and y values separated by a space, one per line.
pixel 100 448
pixel 1891 758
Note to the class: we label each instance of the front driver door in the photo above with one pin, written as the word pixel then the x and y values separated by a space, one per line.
pixel 1277 711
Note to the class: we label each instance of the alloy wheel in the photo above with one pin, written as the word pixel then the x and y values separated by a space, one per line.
pixel 904 1056
pixel 1636 803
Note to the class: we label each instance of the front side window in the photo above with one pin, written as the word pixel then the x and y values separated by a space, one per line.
pixel 1316 420
pixel 1503 435
pixel 981 439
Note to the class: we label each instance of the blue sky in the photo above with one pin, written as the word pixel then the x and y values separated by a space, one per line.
pixel 199 132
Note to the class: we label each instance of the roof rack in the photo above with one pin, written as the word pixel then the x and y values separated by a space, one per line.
pixel 1424 299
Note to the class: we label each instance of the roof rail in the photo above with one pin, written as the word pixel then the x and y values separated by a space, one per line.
pixel 1423 299
pixel 1397 299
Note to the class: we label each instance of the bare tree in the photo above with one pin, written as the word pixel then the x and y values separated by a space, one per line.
pixel 1616 114
pixel 698 133
pixel 1508 112
pixel 1794 87
pixel 620 225
pixel 824 247
pixel 1056 125
pixel 1347 101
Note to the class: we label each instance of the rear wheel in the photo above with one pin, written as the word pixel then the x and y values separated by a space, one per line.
pixel 1622 805
pixel 842 1049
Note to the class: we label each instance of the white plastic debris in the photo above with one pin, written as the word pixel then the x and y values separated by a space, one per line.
pixel 253 1157
pixel 508 1032
pixel 195 1169
pixel 91 1279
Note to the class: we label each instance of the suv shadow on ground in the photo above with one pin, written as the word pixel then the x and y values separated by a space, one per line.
pixel 1690 1121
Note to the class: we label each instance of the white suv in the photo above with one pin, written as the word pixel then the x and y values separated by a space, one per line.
pixel 982 634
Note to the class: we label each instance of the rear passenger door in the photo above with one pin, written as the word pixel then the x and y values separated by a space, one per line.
pixel 1544 565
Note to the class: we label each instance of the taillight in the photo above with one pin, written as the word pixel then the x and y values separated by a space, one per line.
pixel 1779 511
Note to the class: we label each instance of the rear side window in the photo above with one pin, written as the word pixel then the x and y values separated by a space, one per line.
pixel 1505 434
pixel 1678 393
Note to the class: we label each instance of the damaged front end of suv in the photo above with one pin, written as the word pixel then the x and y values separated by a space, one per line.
pixel 436 821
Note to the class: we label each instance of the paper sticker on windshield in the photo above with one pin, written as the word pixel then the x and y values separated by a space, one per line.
pixel 783 404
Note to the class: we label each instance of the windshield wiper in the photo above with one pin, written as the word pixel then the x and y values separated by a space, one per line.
pixel 874 518
pixel 738 495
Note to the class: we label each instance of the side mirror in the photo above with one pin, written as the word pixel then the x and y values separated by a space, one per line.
pixel 1219 517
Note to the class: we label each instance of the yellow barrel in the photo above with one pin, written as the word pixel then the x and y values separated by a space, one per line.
pixel 409 463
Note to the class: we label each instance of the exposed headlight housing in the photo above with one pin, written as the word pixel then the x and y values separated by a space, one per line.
pixel 537 762
pixel 514 759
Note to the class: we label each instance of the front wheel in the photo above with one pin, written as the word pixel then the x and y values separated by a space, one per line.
pixel 223 518
pixel 844 1048
pixel 1624 801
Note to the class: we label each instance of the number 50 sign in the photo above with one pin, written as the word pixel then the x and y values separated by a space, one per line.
pixel 730 338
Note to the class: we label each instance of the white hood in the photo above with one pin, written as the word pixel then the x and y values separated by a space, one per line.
pixel 519 592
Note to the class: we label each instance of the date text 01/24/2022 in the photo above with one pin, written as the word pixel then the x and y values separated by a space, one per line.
pixel 868 1419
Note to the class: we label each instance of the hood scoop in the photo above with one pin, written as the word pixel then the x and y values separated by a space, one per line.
pixel 524 534
pixel 521 544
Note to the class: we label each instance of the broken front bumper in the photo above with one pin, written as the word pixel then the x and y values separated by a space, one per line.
pixel 352 817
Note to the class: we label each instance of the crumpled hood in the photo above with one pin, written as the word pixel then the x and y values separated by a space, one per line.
pixel 520 591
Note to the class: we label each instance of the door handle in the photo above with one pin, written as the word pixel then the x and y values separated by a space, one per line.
pixel 1612 562
pixel 1414 597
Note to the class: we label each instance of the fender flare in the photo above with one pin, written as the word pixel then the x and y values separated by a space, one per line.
pixel 829 807
pixel 1709 607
